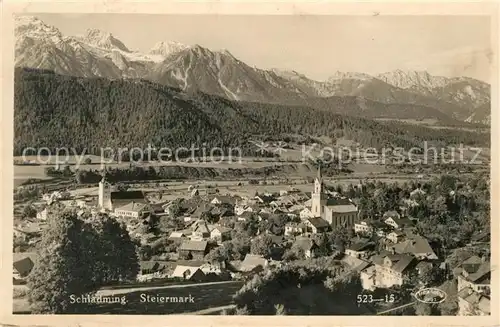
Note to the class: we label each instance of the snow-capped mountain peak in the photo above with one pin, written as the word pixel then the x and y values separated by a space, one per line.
pixel 103 40
pixel 167 48
pixel 412 79
pixel 349 75
pixel 29 26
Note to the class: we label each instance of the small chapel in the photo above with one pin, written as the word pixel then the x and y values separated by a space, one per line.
pixel 337 211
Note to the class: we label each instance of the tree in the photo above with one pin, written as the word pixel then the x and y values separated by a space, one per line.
pixel 65 266
pixel 426 309
pixel 431 275
pixel 174 209
pixel 262 245
pixel 221 253
pixel 79 255
pixel 29 212
pixel 145 252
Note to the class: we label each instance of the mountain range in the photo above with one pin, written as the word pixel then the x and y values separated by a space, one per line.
pixel 193 68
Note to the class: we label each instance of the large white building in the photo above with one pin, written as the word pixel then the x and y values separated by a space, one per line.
pixel 336 211
pixel 109 199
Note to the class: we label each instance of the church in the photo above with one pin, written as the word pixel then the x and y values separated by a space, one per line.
pixel 336 211
pixel 111 200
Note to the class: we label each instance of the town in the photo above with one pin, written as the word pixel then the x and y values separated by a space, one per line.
pixel 252 165
pixel 208 236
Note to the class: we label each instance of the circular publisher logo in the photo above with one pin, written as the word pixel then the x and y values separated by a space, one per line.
pixel 430 295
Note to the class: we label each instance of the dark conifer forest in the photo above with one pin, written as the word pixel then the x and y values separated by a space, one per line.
pixel 62 111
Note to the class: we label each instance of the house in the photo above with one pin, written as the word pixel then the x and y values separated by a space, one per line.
pixel 190 270
pixel 240 209
pixel 360 249
pixel 471 303
pixel 390 270
pixel 191 249
pixel 194 274
pixel 316 225
pixel 223 200
pixel 222 212
pixel 475 277
pixel 367 275
pixel 482 237
pixel 471 265
pixel 293 228
pixel 308 246
pixel 395 236
pixel 416 245
pixel 355 263
pixel 391 214
pixel 363 227
pixel 175 236
pixel 253 262
pixel 399 223
pixel 23 263
pixel 220 234
pixel 200 229
pixel 380 228
pixel 133 210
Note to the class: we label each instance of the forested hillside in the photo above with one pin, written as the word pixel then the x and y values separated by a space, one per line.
pixel 61 111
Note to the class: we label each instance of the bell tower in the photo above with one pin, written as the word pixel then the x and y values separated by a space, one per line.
pixel 318 197
pixel 104 193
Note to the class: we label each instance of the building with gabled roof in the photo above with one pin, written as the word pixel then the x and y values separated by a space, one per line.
pixel 194 274
pixel 191 249
pixel 474 276
pixel 220 233
pixel 133 210
pixel 472 303
pixel 308 246
pixel 253 262
pixel 316 225
pixel 389 270
pixel 415 245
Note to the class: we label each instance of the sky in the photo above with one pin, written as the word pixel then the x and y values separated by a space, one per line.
pixel 314 45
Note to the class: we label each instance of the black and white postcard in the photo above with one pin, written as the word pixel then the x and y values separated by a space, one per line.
pixel 248 160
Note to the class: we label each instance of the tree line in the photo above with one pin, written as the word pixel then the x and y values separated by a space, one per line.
pixel 133 113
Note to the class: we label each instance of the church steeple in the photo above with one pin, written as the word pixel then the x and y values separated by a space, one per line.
pixel 318 182
pixel 318 196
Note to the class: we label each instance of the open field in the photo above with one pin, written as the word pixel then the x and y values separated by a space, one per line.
pixel 434 123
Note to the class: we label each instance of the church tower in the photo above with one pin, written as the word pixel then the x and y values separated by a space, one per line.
pixel 104 193
pixel 318 198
